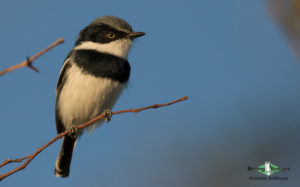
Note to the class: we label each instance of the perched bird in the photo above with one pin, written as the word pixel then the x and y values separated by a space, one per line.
pixel 91 80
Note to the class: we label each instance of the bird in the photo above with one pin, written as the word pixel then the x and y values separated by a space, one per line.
pixel 92 78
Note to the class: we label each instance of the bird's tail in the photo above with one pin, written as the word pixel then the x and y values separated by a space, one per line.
pixel 62 167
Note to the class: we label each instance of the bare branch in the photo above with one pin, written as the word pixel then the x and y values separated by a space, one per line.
pixel 84 125
pixel 28 61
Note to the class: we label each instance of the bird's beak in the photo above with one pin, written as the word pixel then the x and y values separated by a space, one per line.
pixel 133 35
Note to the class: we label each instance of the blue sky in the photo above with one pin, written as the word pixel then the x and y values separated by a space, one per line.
pixel 231 58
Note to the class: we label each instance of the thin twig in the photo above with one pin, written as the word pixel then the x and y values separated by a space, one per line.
pixel 28 61
pixel 7 161
pixel 84 125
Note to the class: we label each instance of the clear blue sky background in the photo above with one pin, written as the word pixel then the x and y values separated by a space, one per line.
pixel 229 57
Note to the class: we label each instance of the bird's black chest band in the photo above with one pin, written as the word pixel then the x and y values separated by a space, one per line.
pixel 103 65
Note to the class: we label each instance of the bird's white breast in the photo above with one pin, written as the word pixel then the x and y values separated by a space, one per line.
pixel 85 96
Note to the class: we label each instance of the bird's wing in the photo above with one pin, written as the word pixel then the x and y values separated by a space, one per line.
pixel 61 80
pixel 62 73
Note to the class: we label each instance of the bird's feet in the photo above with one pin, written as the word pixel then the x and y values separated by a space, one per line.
pixel 73 132
pixel 107 115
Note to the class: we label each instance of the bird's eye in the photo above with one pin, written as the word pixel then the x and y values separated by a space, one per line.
pixel 110 35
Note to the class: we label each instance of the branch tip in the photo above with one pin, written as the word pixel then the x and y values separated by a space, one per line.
pixel 60 40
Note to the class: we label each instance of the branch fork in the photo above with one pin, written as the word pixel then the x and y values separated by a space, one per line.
pixel 28 62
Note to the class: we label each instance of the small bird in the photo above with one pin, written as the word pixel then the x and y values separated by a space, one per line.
pixel 91 80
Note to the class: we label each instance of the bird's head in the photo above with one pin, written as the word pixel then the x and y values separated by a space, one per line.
pixel 108 34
